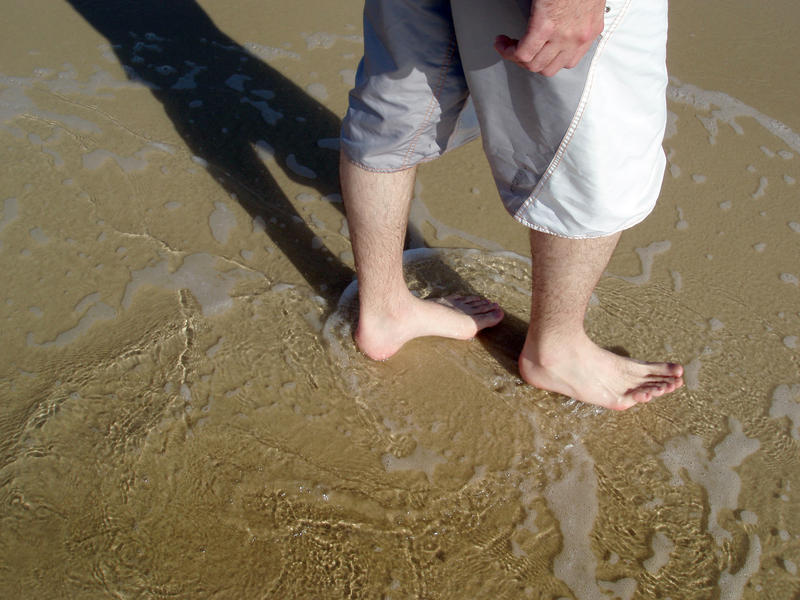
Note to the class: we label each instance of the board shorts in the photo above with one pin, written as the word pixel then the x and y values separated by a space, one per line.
pixel 576 155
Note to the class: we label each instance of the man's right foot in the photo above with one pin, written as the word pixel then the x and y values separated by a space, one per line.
pixel 381 334
pixel 582 370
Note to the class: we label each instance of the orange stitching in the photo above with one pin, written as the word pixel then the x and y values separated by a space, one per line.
pixel 439 85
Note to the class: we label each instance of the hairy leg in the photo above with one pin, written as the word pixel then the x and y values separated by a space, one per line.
pixel 558 355
pixel 377 206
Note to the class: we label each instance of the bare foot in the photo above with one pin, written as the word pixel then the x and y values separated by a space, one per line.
pixel 584 371
pixel 380 334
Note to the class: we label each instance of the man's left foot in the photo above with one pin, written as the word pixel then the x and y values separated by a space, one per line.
pixel 580 369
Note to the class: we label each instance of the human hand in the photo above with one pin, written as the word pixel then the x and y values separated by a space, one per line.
pixel 559 33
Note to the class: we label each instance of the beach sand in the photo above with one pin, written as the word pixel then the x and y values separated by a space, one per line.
pixel 183 413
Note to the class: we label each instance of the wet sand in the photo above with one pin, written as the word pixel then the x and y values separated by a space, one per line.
pixel 183 413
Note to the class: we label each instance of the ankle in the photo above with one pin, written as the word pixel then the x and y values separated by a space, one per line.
pixel 553 347
pixel 394 307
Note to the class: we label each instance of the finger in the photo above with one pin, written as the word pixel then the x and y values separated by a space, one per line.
pixel 546 59
pixel 532 42
pixel 505 46
pixel 571 61
pixel 555 65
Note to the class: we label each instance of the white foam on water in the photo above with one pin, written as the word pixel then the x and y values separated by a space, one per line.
pixel 790 566
pixel 731 586
pixel 748 517
pixel 129 164
pixel 14 104
pixel 677 281
pixel 198 274
pixel 57 160
pixel 86 302
pixel 662 547
pixel 237 81
pixel 762 188
pixel 681 224
pixel 269 53
pixel 265 94
pixel 259 225
pixel 264 151
pixel 186 81
pixel 212 350
pixel 672 125
pixel 717 474
pixel 790 278
pixel 96 311
pixel 298 169
pixel 786 403
pixel 647 256
pixel 222 222
pixel 728 110
pixel 691 373
pixel 305 197
pixel 622 589
pixel 269 115
pixel 317 90
pixel 328 143
pixel 421 459
pixel 10 212
pixel 573 501
pixel 321 39
pixel 715 324
pixel 348 77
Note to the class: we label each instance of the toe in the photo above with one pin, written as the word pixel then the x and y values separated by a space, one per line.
pixel 457 298
pixel 489 307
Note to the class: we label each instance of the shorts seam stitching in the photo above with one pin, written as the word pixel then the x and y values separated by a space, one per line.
pixel 448 60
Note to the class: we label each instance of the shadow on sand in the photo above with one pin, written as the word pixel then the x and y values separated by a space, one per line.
pixel 175 48
pixel 188 63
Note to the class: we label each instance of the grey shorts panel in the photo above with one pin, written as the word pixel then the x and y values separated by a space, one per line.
pixel 410 89
pixel 523 116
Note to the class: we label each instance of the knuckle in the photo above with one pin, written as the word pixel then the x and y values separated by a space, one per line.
pixel 522 55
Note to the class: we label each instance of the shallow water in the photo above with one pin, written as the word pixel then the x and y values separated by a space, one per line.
pixel 184 413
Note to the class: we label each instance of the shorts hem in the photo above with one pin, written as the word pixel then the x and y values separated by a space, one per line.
pixel 404 167
pixel 586 236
